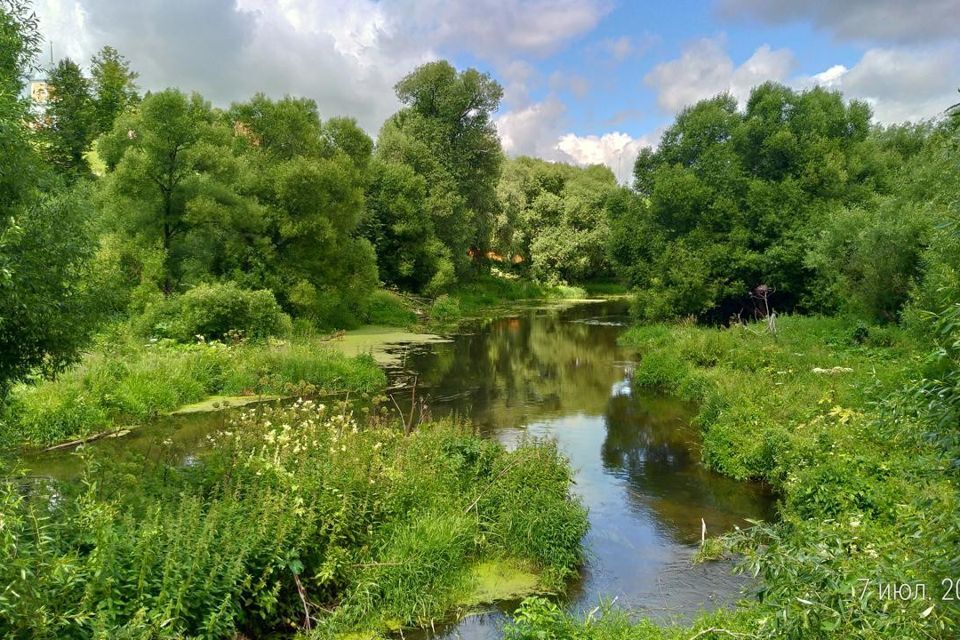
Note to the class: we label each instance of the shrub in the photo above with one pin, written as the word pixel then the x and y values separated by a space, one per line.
pixel 388 308
pixel 217 311
pixel 445 309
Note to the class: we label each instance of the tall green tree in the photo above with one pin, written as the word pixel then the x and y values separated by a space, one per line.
pixel 309 179
pixel 113 85
pixel 445 133
pixel 69 120
pixel 173 185
pixel 46 310
pixel 554 216
pixel 730 198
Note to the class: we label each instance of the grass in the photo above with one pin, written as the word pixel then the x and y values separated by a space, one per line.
pixel 823 412
pixel 494 290
pixel 126 381
pixel 388 308
pixel 375 530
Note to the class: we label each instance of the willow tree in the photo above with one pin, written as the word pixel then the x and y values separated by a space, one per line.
pixel 445 134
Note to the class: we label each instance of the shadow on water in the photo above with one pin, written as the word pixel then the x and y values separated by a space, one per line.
pixel 559 373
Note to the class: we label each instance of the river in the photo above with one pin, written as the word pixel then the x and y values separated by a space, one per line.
pixel 556 371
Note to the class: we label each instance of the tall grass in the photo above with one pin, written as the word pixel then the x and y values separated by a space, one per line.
pixel 822 412
pixel 130 381
pixel 297 518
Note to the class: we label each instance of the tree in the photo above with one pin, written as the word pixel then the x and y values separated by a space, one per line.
pixel 309 179
pixel 739 192
pixel 445 133
pixel 69 121
pixel 114 87
pixel 172 184
pixel 45 311
pixel 554 216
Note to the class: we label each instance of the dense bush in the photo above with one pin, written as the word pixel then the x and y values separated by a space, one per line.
pixel 729 199
pixel 367 525
pixel 388 308
pixel 220 311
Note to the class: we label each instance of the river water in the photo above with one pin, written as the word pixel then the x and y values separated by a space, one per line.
pixel 557 372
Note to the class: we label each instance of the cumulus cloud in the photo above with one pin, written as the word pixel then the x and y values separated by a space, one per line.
pixel 497 29
pixel 616 150
pixel 899 84
pixel 346 54
pixel 704 69
pixel 890 21
pixel 540 130
pixel 534 129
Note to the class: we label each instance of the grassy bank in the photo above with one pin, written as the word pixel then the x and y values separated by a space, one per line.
pixel 488 293
pixel 125 380
pixel 299 518
pixel 825 413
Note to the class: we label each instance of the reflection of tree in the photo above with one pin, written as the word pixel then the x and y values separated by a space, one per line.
pixel 515 370
pixel 649 441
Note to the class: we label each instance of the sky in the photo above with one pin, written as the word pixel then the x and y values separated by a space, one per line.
pixel 585 81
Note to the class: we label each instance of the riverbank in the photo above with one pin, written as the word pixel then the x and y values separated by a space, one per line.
pixel 299 517
pixel 125 379
pixel 824 412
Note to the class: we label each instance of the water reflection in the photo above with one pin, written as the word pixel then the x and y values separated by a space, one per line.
pixel 561 375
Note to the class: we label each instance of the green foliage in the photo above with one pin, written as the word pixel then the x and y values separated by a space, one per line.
pixel 172 184
pixel 69 125
pixel 388 308
pixel 542 619
pixel 821 412
pixel 728 199
pixel 555 217
pixel 113 86
pixel 445 310
pixel 869 258
pixel 288 503
pixel 445 135
pixel 309 180
pixel 221 311
pixel 126 382
pixel 47 310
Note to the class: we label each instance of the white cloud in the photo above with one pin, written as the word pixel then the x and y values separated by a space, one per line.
pixel 887 21
pixel 346 54
pixel 704 69
pixel 540 130
pixel 533 130
pixel 899 83
pixel 497 29
pixel 616 150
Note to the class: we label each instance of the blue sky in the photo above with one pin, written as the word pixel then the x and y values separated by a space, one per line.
pixel 585 80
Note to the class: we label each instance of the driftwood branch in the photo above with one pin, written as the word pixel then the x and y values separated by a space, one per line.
pixel 85 440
